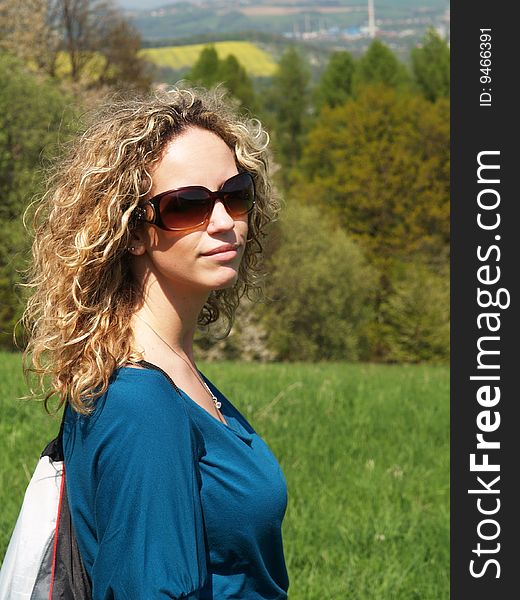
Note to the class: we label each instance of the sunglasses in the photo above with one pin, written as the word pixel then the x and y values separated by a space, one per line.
pixel 189 207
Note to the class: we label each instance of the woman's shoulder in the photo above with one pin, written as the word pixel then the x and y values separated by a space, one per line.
pixel 135 389
pixel 141 385
pixel 135 399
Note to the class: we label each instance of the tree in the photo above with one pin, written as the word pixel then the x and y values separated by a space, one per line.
pixel 233 75
pixel 33 113
pixel 13 254
pixel 79 30
pixel 120 45
pixel 380 165
pixel 205 70
pixel 91 35
pixel 336 82
pixel 289 100
pixel 27 31
pixel 380 162
pixel 380 65
pixel 431 66
pixel 95 27
pixel 209 71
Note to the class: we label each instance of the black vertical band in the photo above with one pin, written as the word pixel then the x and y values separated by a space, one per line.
pixel 485 417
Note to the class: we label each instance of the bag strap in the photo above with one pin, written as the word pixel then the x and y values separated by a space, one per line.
pixel 54 449
pixel 150 365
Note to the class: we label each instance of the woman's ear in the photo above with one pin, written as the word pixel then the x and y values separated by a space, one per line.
pixel 137 244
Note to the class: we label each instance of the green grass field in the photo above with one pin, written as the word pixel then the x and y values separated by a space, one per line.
pixel 256 61
pixel 365 451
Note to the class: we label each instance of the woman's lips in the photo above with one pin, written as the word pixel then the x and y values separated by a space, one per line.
pixel 223 251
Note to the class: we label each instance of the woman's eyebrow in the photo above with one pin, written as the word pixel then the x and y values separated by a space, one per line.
pixel 226 180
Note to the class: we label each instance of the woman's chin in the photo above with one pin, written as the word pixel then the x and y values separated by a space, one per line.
pixel 225 280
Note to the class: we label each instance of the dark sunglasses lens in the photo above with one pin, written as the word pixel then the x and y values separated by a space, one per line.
pixel 190 207
pixel 239 194
pixel 185 209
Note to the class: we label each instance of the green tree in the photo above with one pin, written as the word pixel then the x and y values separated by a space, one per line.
pixel 14 252
pixel 33 113
pixel 431 66
pixel 236 80
pixel 335 85
pixel 380 162
pixel 322 291
pixel 209 71
pixel 289 102
pixel 380 65
pixel 380 165
pixel 205 70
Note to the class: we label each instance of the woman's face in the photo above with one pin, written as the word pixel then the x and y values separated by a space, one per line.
pixel 187 259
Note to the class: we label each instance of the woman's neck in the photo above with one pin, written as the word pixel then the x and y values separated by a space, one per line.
pixel 167 318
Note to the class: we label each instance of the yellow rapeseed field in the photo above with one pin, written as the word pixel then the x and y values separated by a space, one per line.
pixel 257 62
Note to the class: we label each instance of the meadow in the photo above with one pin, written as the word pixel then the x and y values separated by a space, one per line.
pixel 365 451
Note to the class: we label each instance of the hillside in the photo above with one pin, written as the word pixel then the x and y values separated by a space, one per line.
pixel 326 20
pixel 256 61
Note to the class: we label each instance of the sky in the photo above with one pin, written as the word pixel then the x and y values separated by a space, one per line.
pixel 142 4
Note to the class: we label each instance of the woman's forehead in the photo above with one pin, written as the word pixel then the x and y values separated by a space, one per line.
pixel 195 157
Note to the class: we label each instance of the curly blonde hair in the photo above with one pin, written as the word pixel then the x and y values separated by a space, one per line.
pixel 78 317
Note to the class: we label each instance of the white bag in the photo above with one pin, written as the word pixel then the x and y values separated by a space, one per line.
pixel 42 561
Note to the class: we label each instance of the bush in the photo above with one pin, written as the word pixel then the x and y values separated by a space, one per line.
pixel 414 317
pixel 322 291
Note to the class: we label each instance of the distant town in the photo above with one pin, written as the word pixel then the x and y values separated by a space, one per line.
pixel 389 28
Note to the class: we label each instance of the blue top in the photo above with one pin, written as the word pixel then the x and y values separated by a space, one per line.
pixel 169 502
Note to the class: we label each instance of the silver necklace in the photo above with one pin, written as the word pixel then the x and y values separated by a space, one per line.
pixel 197 376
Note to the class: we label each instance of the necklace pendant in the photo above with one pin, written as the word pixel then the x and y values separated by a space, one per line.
pixel 217 403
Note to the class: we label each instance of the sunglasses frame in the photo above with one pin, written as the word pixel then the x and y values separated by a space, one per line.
pixel 150 211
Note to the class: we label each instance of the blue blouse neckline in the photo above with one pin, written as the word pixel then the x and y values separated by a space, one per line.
pixel 237 428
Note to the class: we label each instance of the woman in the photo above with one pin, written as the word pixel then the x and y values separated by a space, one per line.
pixel 152 226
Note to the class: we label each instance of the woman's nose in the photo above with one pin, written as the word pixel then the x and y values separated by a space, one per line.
pixel 219 218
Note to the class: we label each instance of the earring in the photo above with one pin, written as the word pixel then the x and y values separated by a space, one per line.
pixel 131 249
